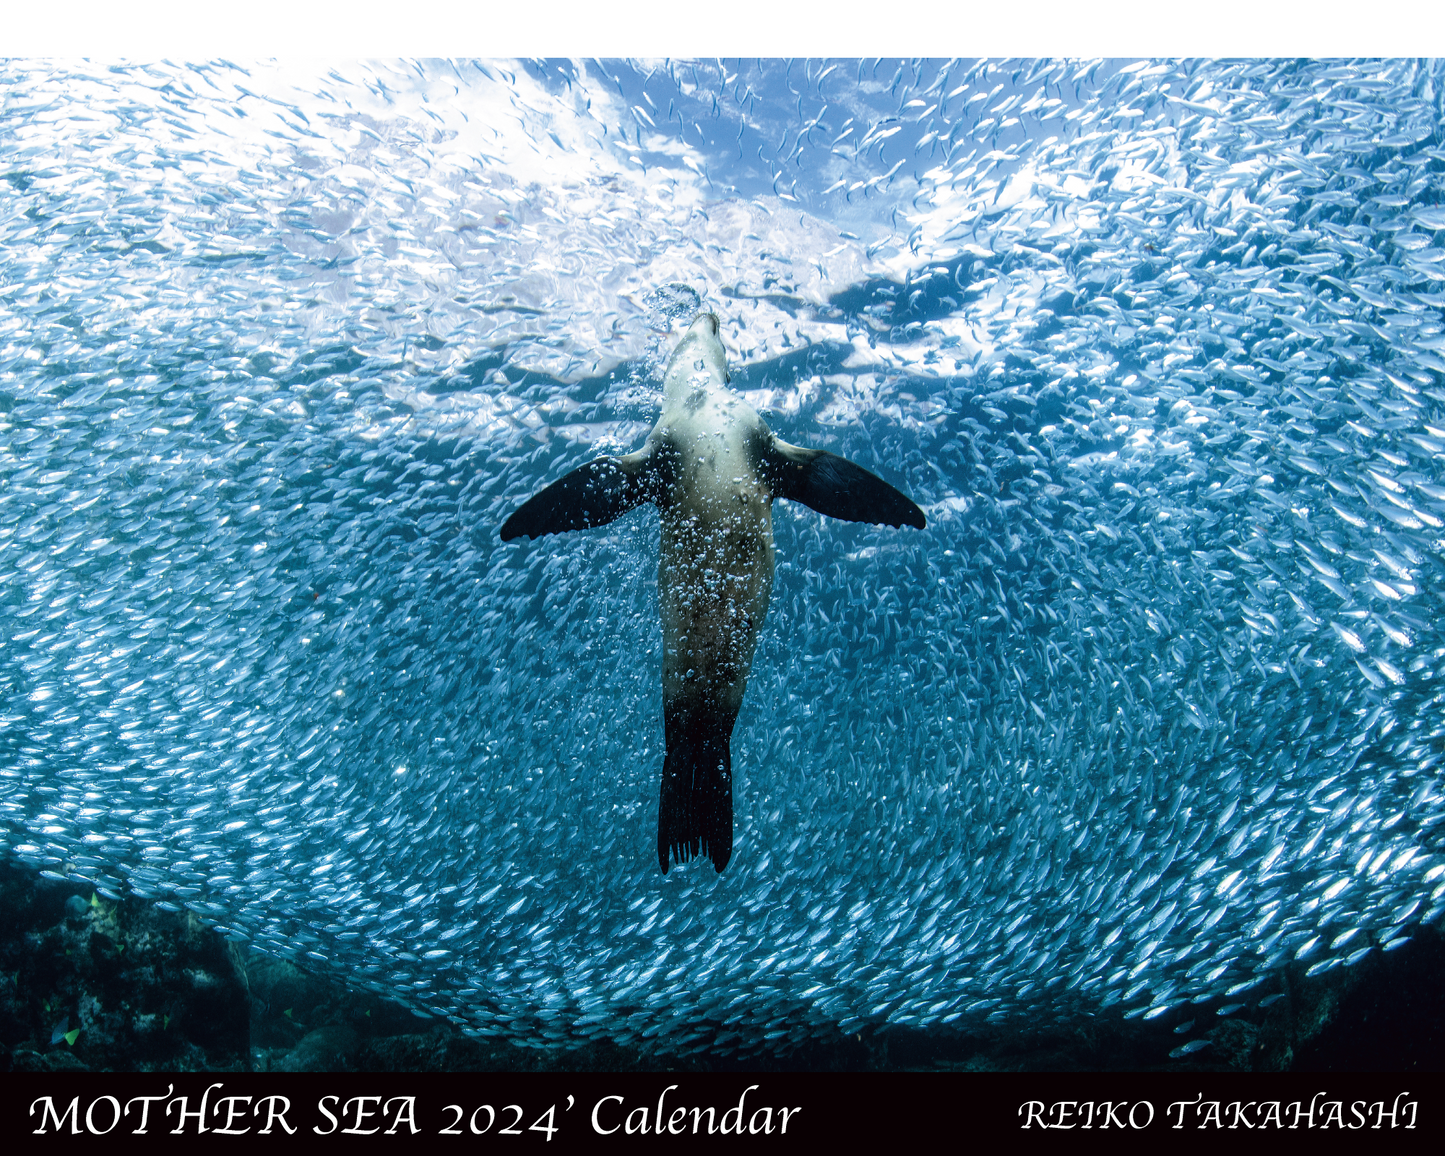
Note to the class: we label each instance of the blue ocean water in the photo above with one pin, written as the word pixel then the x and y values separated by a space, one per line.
pixel 1148 711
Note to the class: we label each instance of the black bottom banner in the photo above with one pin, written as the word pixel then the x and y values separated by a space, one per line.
pixel 636 1109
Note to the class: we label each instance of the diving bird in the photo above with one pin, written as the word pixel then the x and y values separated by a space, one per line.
pixel 713 469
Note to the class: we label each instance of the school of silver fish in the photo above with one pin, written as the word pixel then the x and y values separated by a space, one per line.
pixel 1149 710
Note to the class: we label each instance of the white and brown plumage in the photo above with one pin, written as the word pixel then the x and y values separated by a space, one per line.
pixel 712 468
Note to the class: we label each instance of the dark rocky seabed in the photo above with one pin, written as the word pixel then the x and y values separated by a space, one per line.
pixel 155 990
